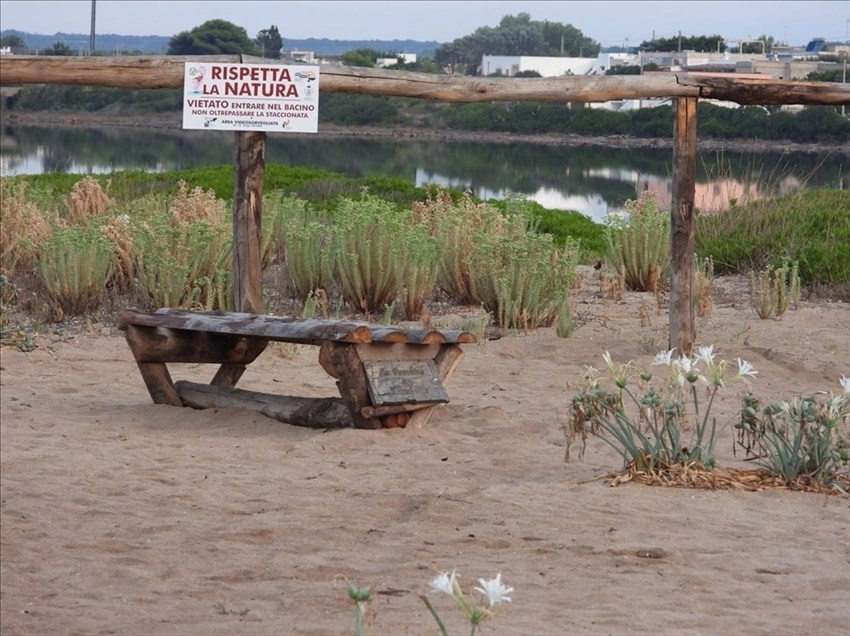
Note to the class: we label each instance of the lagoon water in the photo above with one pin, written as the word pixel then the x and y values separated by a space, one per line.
pixel 592 180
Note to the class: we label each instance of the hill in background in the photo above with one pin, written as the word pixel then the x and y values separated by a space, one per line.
pixel 158 44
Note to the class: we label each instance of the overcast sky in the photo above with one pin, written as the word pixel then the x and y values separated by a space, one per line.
pixel 609 23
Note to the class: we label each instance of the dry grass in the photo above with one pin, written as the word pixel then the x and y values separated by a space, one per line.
pixel 23 229
pixel 197 205
pixel 118 231
pixel 751 480
pixel 87 200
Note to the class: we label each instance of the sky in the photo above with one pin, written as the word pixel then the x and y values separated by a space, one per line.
pixel 610 23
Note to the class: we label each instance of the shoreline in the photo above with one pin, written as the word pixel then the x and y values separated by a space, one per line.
pixel 172 121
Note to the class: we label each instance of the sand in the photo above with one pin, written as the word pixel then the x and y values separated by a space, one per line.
pixel 123 517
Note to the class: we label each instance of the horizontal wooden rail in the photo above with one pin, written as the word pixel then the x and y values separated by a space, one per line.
pixel 167 72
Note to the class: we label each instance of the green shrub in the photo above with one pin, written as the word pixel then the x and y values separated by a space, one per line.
pixel 184 264
pixel 800 438
pixel 375 247
pixel 309 258
pixel 75 266
pixel 639 244
pixel 523 279
pixel 811 227
pixel 773 290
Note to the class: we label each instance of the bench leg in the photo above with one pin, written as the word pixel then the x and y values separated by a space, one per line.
pixel 158 380
pixel 347 367
pixel 228 375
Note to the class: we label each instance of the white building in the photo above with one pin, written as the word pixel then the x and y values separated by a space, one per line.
pixel 407 58
pixel 510 65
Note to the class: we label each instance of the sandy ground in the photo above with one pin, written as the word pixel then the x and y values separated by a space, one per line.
pixel 123 517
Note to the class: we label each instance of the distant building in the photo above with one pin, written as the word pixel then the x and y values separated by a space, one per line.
pixel 305 57
pixel 6 50
pixel 406 58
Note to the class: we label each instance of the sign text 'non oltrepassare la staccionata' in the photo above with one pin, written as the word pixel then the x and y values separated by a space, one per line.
pixel 260 97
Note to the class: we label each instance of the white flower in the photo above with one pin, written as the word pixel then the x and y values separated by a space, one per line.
pixel 612 369
pixel 706 354
pixel 686 364
pixel 494 590
pixel 745 368
pixel 836 404
pixel 444 582
pixel 845 384
pixel 665 357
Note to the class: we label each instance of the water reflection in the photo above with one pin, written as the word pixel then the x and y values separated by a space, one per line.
pixel 592 180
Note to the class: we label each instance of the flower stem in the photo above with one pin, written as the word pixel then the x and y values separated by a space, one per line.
pixel 436 616
pixel 358 620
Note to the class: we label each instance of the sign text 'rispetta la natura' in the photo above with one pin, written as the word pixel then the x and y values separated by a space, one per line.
pixel 257 97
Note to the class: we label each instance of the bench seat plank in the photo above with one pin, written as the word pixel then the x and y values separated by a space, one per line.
pixel 285 329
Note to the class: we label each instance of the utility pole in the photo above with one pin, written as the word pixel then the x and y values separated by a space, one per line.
pixel 91 36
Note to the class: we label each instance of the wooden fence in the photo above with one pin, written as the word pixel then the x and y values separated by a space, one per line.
pixel 168 72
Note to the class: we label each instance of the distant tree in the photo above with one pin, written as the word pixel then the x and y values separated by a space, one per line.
pixel 269 42
pixel 566 40
pixel 528 74
pixel 214 37
pixel 14 42
pixel 515 35
pixel 59 48
pixel 363 57
pixel 700 43
pixel 835 75
pixel 756 47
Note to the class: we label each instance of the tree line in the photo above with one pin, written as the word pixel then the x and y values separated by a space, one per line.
pixel 812 124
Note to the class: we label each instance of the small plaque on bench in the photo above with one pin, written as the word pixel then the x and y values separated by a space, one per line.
pixel 404 382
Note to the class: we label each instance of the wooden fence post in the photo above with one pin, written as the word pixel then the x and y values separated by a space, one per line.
pixel 682 226
pixel 248 176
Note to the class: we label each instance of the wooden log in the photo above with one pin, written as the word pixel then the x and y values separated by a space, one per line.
pixel 150 344
pixel 682 289
pixel 351 381
pixel 395 420
pixel 249 169
pixel 298 411
pixel 382 411
pixel 378 351
pixel 167 72
pixel 312 332
pixel 158 381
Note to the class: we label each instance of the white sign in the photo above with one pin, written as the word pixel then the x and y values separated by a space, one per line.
pixel 262 97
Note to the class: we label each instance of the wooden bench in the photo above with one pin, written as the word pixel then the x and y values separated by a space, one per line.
pixel 386 376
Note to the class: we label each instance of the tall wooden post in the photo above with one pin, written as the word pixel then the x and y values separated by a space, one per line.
pixel 682 325
pixel 250 165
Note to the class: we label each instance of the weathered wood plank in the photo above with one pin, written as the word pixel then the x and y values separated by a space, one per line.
pixel 249 168
pixel 403 382
pixel 245 324
pixel 298 411
pixel 283 329
pixel 446 362
pixel 681 314
pixel 167 72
